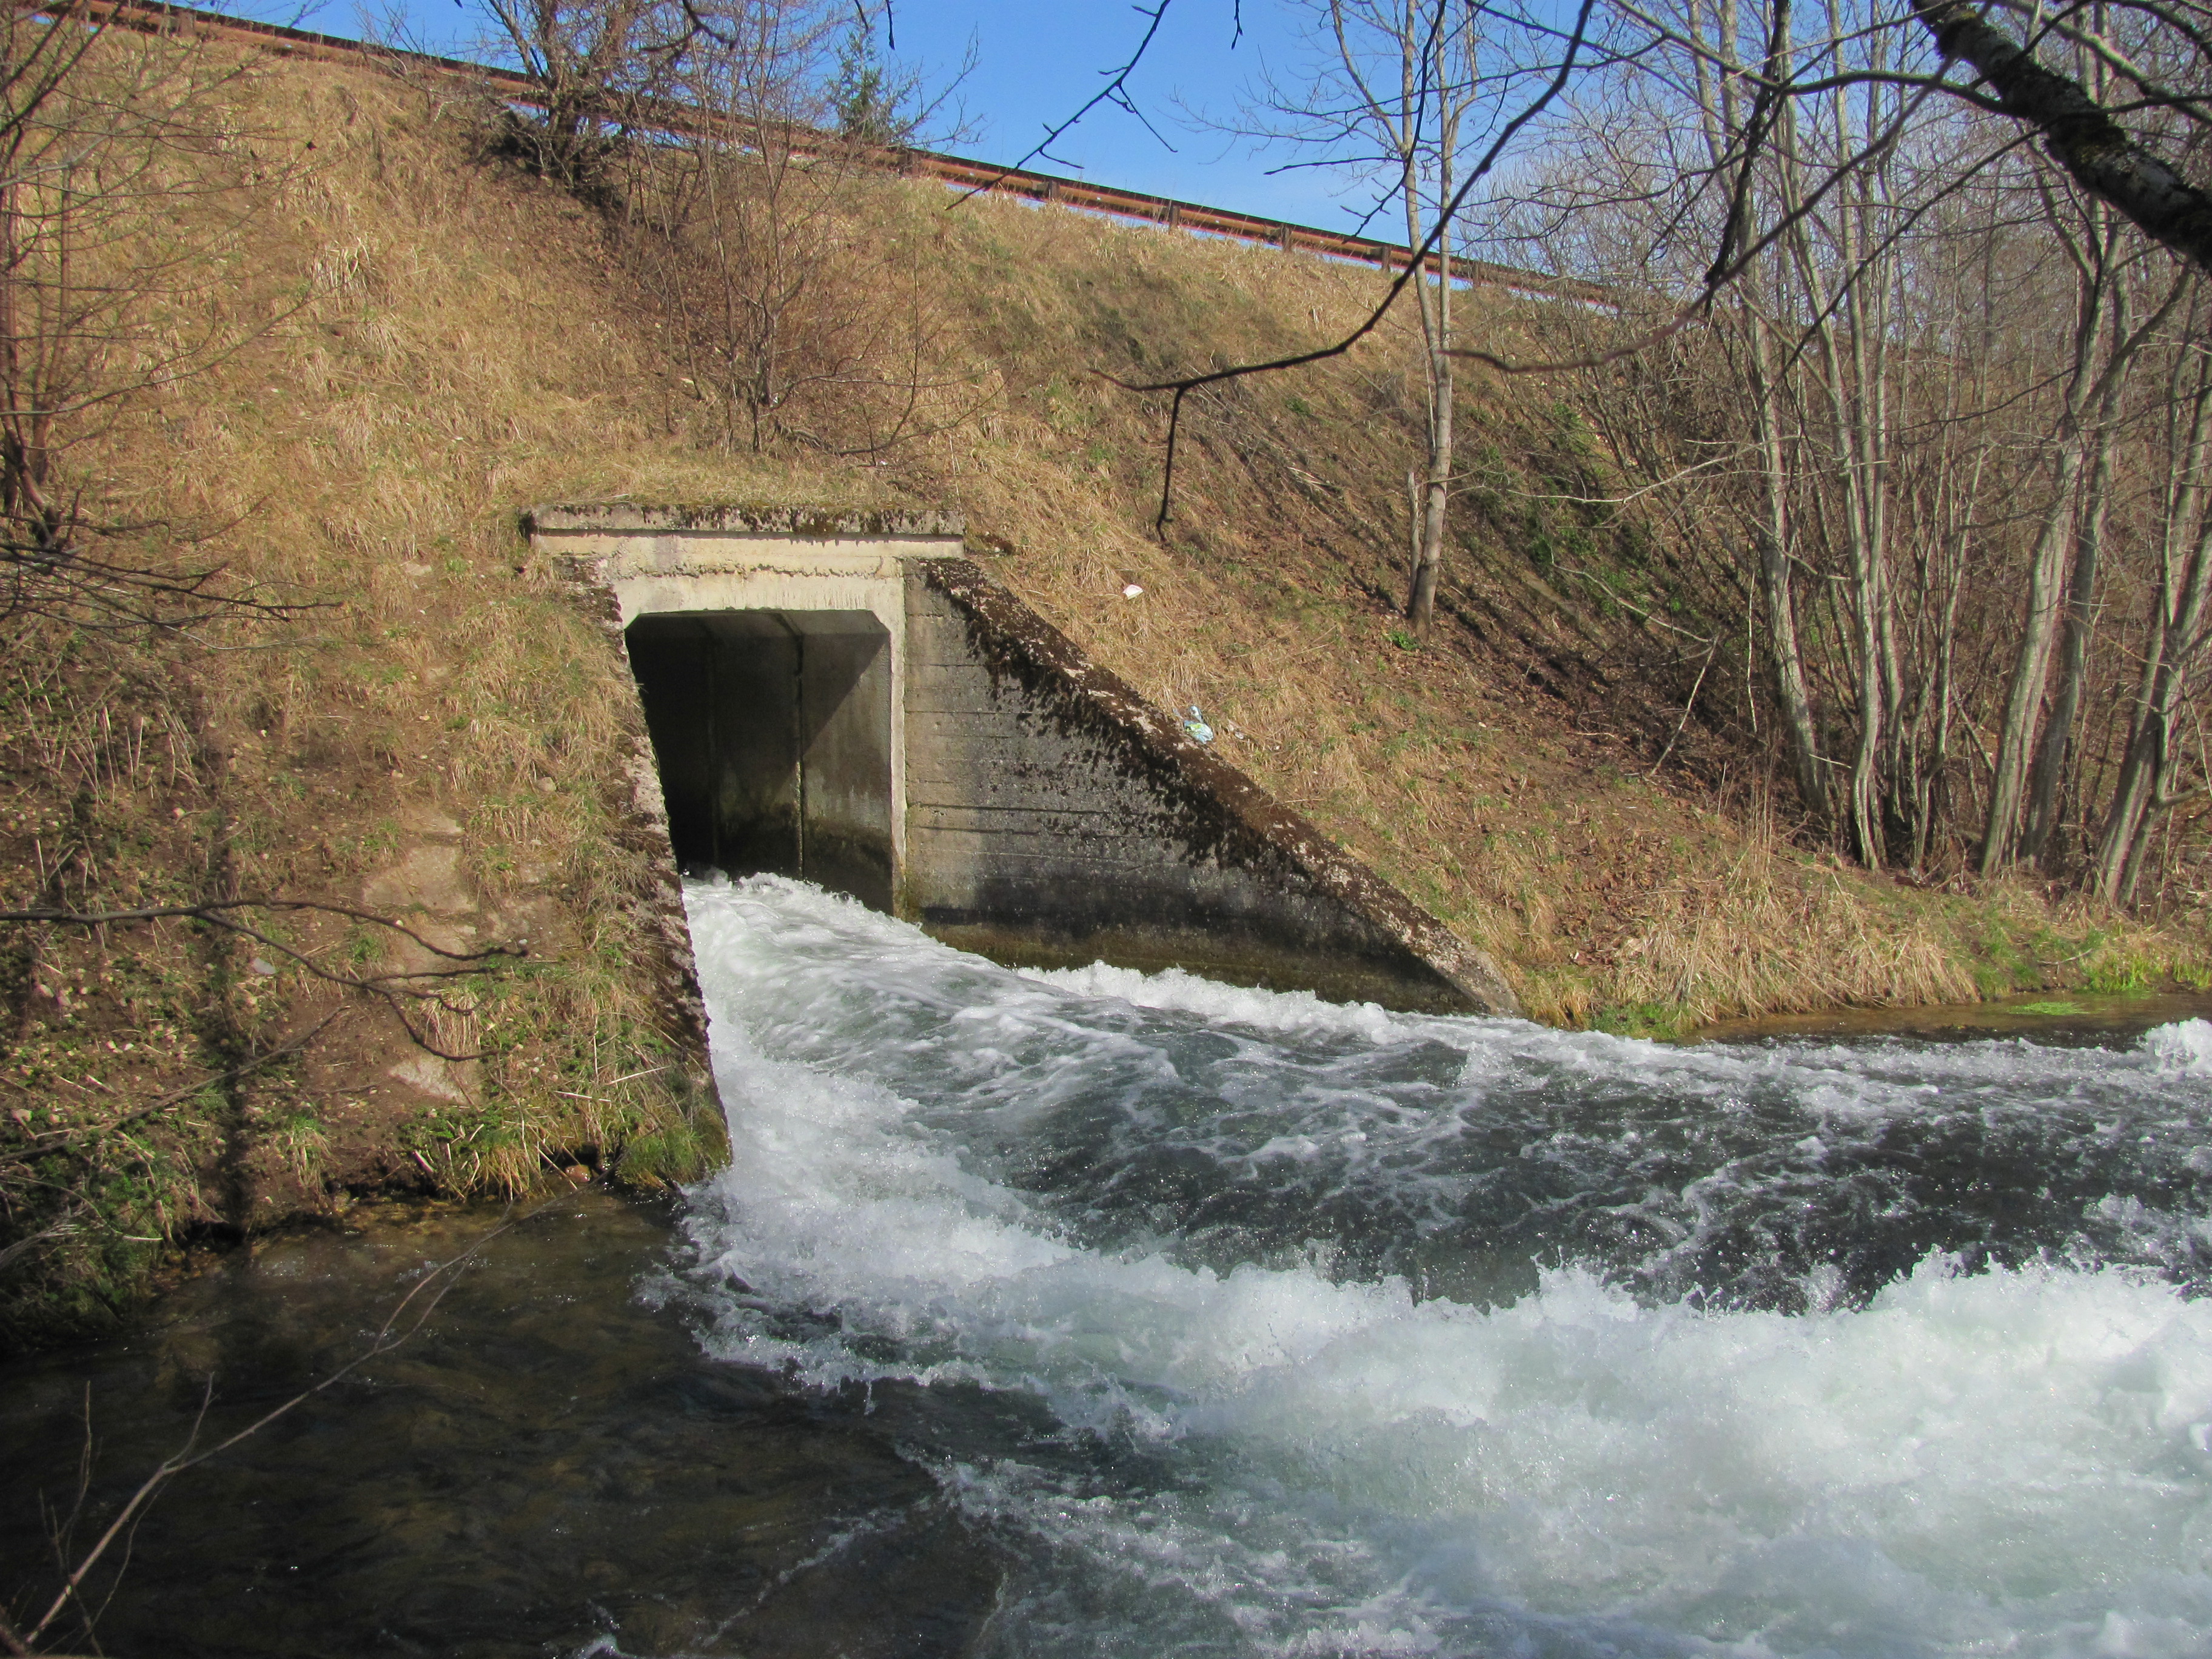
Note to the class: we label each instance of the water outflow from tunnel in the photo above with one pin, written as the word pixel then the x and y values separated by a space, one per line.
pixel 1254 1324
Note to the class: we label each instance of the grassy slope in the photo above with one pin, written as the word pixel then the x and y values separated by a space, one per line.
pixel 447 342
pixel 434 348
pixel 1505 776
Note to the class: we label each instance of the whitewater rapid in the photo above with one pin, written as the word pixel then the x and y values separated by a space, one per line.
pixel 1260 1325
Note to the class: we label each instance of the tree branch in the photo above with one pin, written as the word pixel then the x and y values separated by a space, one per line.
pixel 387 1337
pixel 1416 264
pixel 389 988
pixel 1115 91
pixel 2081 134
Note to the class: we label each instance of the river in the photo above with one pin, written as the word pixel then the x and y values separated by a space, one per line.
pixel 1090 1313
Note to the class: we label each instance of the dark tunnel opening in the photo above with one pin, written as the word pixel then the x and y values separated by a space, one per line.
pixel 772 731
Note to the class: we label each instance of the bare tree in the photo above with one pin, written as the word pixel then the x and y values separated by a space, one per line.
pixel 1935 520
pixel 1937 487
pixel 2157 53
pixel 2110 339
pixel 605 69
pixel 2148 784
pixel 1392 96
pixel 731 143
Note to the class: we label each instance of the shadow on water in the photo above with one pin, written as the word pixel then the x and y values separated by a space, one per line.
pixel 550 1466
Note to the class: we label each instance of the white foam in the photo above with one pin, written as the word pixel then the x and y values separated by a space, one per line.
pixel 1174 989
pixel 2008 1462
pixel 2184 1046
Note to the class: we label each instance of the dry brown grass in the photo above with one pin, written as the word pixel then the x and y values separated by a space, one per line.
pixel 1480 774
pixel 428 345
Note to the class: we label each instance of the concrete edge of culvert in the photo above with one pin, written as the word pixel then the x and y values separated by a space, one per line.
pixel 658 903
pixel 807 523
pixel 1024 640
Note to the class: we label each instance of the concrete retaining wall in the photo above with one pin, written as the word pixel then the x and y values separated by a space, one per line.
pixel 1054 816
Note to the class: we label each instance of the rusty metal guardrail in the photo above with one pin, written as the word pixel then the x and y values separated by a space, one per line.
pixel 952 171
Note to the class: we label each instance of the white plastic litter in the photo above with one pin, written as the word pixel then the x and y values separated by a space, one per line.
pixel 1131 592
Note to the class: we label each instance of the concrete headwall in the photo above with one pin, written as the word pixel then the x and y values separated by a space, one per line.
pixel 793 562
pixel 839 698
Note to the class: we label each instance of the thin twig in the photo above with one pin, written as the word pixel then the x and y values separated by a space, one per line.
pixel 1416 265
pixel 187 1457
pixel 389 988
pixel 1682 724
pixel 1116 91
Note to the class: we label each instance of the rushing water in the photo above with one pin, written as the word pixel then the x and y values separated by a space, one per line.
pixel 1362 1332
pixel 1095 1314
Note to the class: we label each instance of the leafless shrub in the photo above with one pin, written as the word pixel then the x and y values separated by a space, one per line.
pixel 737 146
pixel 604 69
pixel 792 319
pixel 123 188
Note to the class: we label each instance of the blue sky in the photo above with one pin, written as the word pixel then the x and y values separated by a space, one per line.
pixel 1036 64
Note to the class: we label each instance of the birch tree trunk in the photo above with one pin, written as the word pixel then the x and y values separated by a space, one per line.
pixel 1721 117
pixel 2079 619
pixel 1785 655
pixel 2174 642
pixel 2031 659
pixel 1436 76
pixel 1853 385
pixel 2041 817
pixel 1436 483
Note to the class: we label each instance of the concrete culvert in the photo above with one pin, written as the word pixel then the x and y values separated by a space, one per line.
pixel 844 698
pixel 772 732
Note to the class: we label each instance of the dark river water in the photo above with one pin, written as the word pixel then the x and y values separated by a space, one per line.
pixel 1090 1312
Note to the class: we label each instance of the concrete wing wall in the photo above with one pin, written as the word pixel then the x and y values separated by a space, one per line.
pixel 1055 817
pixel 642 820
